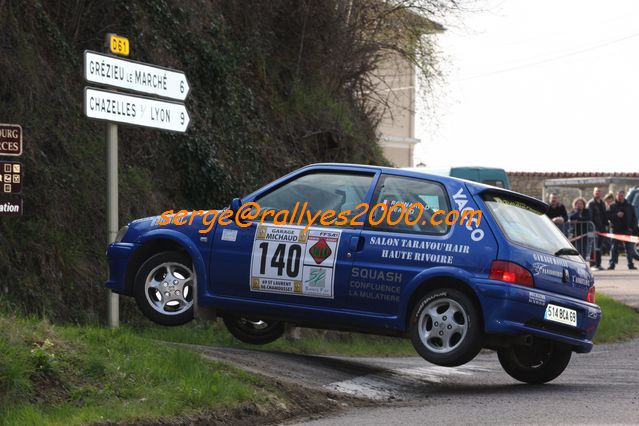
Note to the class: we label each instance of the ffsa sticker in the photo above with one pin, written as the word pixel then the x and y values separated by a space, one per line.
pixel 288 260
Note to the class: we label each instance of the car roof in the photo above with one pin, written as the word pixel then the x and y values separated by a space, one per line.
pixel 409 172
pixel 473 187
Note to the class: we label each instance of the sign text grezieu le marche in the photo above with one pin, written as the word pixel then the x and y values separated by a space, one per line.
pixel 137 76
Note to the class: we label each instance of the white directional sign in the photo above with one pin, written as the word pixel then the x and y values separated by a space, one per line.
pixel 135 110
pixel 131 75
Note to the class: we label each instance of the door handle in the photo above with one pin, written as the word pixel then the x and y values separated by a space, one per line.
pixel 357 244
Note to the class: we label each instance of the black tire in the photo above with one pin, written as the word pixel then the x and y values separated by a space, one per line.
pixel 147 298
pixel 463 344
pixel 540 363
pixel 253 331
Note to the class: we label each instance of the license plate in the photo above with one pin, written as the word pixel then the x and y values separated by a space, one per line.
pixel 560 314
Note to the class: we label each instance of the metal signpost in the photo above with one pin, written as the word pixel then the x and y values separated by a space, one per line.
pixel 113 299
pixel 115 107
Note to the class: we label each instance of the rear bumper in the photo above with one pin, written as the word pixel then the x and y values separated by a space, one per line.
pixel 516 310
pixel 118 255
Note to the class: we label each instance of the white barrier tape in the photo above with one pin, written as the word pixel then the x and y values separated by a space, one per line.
pixel 621 237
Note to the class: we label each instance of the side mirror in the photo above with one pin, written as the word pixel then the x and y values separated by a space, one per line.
pixel 236 203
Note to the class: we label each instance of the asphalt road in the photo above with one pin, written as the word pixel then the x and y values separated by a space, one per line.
pixel 597 388
pixel 622 283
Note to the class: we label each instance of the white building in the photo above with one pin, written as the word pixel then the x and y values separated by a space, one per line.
pixel 397 80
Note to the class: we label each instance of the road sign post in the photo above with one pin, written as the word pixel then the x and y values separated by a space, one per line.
pixel 113 302
pixel 113 299
pixel 116 107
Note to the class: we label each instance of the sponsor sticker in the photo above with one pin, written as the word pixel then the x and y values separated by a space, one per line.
pixel 544 269
pixel 229 235
pixel 316 282
pixel 461 199
pixel 288 260
pixel 320 251
pixel 537 299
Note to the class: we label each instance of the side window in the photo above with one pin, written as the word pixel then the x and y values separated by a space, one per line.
pixel 410 204
pixel 321 191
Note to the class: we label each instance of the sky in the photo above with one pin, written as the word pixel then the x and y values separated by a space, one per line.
pixel 544 85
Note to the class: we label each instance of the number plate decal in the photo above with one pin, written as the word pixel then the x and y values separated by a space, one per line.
pixel 560 314
pixel 287 260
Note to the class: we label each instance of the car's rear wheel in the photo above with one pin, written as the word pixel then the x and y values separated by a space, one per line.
pixel 445 327
pixel 254 331
pixel 164 287
pixel 541 362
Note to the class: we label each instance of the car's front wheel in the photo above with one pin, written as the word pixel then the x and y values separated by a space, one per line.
pixel 253 330
pixel 445 327
pixel 541 362
pixel 164 287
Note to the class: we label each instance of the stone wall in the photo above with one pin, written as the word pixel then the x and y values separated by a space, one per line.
pixel 527 184
pixel 532 183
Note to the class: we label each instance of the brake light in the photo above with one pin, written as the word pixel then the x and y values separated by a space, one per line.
pixel 510 272
pixel 591 294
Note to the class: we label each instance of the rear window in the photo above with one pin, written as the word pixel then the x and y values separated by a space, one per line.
pixel 524 223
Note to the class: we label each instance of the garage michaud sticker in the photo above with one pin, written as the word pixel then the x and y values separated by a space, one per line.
pixel 290 261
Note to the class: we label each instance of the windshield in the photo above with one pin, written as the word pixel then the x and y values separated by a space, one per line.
pixel 526 224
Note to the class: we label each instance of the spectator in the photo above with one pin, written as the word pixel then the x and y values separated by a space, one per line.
pixel 607 242
pixel 598 216
pixel 624 221
pixel 579 218
pixel 609 199
pixel 556 212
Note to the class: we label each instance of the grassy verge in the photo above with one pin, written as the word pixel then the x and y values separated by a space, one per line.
pixel 83 374
pixel 312 341
pixel 620 322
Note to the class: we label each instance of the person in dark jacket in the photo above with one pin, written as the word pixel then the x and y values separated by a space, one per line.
pixel 624 221
pixel 599 217
pixel 579 218
pixel 606 246
pixel 556 212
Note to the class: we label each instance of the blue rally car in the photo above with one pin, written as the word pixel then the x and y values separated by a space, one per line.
pixel 509 281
